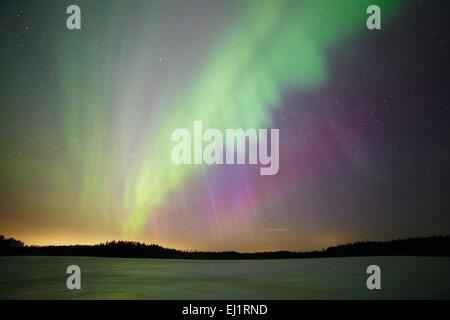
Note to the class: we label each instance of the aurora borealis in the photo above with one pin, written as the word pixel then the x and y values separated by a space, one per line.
pixel 87 117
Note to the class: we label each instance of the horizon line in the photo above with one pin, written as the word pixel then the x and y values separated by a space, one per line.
pixel 229 250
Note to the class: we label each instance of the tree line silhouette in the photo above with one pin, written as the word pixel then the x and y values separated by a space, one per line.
pixel 424 246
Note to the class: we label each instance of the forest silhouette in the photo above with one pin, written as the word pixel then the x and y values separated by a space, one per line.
pixel 423 246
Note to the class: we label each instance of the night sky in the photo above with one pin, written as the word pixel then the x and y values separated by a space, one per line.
pixel 86 117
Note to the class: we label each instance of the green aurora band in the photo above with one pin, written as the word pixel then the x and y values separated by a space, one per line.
pixel 272 45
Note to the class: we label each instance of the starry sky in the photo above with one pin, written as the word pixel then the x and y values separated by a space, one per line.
pixel 86 119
